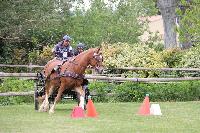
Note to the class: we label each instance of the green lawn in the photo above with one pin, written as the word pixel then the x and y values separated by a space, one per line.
pixel 178 117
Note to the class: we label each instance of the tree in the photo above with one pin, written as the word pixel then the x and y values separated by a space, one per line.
pixel 189 21
pixel 29 24
pixel 168 12
pixel 117 22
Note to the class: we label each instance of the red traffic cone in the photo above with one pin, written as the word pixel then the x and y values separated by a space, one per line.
pixel 77 112
pixel 91 111
pixel 145 107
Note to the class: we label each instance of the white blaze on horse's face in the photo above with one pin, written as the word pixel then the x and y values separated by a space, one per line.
pixel 96 62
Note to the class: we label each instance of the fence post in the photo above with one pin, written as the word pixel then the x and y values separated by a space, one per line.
pixel 36 102
pixel 93 73
pixel 30 67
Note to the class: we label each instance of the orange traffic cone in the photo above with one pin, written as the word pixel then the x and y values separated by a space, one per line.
pixel 145 107
pixel 77 112
pixel 91 111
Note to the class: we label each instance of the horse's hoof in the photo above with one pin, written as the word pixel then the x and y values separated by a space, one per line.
pixel 46 108
pixel 51 112
pixel 41 110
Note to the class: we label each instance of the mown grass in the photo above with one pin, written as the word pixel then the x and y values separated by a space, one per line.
pixel 178 117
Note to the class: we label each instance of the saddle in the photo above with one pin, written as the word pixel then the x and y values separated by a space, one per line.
pixel 51 65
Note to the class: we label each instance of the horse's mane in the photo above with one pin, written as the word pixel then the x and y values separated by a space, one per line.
pixel 84 53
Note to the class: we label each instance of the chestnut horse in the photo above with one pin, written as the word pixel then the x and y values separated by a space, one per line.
pixel 71 76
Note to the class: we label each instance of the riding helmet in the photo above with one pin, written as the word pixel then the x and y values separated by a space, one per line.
pixel 67 38
pixel 81 45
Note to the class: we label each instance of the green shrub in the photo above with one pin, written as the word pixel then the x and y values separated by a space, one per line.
pixel 127 55
pixel 137 55
pixel 134 92
pixel 101 89
pixel 16 85
pixel 191 58
pixel 111 92
pixel 128 91
pixel 172 57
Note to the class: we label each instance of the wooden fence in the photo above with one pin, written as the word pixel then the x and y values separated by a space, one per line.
pixel 106 78
pixel 30 66
pixel 17 93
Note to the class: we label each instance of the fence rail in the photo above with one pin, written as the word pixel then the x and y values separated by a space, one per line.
pixel 27 66
pixel 98 77
pixel 89 76
pixel 120 68
pixel 17 93
pixel 160 69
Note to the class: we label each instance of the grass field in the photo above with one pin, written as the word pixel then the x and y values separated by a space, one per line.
pixel 178 117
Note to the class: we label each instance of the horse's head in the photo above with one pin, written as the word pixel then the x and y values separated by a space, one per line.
pixel 96 61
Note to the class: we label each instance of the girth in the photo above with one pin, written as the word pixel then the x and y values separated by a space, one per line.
pixel 72 74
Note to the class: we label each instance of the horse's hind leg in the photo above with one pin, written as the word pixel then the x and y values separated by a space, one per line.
pixel 44 101
pixel 58 97
pixel 81 96
pixel 48 91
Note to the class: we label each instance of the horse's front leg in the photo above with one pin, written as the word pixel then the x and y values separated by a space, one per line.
pixel 48 94
pixel 45 103
pixel 42 106
pixel 58 97
pixel 81 96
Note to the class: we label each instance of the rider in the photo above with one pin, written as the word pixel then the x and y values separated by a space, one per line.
pixel 80 47
pixel 63 50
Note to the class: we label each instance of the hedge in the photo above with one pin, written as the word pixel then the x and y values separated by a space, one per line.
pixel 114 92
pixel 135 92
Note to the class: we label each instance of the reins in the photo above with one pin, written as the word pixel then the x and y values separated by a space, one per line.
pixel 75 75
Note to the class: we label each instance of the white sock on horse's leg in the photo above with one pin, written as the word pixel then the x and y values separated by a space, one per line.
pixel 42 106
pixel 46 106
pixel 58 97
pixel 51 111
pixel 81 104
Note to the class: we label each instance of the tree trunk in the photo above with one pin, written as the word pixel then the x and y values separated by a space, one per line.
pixel 167 9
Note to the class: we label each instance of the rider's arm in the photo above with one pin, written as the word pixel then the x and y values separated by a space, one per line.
pixel 56 50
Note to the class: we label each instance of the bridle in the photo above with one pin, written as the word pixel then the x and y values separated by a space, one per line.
pixel 98 58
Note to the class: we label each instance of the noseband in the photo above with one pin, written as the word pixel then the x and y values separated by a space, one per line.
pixel 98 57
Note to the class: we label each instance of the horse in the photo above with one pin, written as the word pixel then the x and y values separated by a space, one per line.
pixel 71 75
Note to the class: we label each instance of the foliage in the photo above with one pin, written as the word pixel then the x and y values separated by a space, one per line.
pixel 16 85
pixel 103 23
pixel 42 57
pixel 30 26
pixel 191 58
pixel 101 89
pixel 134 92
pixel 125 55
pixel 128 91
pixel 113 92
pixel 189 29
pixel 172 57
pixel 138 55
pixel 27 25
pixel 155 41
